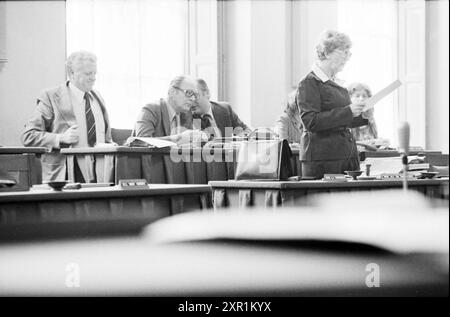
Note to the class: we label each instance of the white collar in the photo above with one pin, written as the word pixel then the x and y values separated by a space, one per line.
pixel 209 112
pixel 324 77
pixel 171 111
pixel 79 94
pixel 320 73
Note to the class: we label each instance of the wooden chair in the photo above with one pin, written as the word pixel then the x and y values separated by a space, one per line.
pixel 120 136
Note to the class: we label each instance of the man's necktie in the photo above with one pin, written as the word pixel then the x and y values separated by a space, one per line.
pixel 90 122
pixel 206 123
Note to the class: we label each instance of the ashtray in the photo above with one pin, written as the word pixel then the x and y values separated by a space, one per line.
pixel 353 174
pixel 428 174
pixel 56 185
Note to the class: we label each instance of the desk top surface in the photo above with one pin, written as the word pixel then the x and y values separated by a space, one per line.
pixel 103 192
pixel 126 149
pixel 21 150
pixel 135 265
pixel 308 184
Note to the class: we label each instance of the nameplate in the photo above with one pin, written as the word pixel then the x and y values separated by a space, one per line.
pixel 390 176
pixel 133 184
pixel 334 178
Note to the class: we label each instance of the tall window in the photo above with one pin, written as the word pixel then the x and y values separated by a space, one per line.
pixel 372 27
pixel 140 45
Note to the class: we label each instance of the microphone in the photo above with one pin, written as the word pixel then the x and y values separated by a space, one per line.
pixel 403 138
pixel 403 145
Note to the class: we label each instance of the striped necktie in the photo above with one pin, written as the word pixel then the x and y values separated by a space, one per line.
pixel 90 121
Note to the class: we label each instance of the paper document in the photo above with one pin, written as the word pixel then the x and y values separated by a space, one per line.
pixel 390 165
pixel 155 142
pixel 381 94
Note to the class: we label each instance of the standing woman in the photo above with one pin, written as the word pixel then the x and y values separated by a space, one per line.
pixel 327 113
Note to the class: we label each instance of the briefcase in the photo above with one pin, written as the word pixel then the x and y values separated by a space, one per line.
pixel 264 160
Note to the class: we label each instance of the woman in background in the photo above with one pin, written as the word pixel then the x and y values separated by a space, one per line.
pixel 359 92
pixel 366 134
pixel 327 144
pixel 289 125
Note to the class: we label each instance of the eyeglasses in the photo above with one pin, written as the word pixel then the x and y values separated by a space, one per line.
pixel 189 93
pixel 345 52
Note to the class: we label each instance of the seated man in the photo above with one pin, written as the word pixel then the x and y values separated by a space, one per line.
pixel 72 114
pixel 217 118
pixel 170 119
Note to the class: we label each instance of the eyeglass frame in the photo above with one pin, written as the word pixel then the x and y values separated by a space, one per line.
pixel 195 93
pixel 345 51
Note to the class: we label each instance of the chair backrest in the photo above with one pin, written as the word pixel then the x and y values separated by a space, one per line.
pixel 120 135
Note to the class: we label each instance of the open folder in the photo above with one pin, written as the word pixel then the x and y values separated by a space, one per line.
pixel 150 142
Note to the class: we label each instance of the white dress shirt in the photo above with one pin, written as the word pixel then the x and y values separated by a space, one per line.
pixel 79 107
pixel 174 119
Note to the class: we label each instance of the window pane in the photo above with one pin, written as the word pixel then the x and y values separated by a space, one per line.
pixel 140 46
pixel 372 27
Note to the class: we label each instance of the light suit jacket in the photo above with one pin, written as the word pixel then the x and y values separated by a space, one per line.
pixel 153 120
pixel 54 115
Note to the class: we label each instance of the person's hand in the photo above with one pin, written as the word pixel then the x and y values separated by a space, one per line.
pixel 70 136
pixel 192 136
pixel 368 114
pixel 357 108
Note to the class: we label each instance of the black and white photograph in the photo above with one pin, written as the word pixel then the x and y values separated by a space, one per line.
pixel 224 153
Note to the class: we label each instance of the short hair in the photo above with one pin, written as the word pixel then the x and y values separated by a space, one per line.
pixel 331 40
pixel 202 85
pixel 354 87
pixel 76 58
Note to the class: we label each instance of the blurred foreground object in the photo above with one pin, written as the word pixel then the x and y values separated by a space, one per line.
pixel 331 248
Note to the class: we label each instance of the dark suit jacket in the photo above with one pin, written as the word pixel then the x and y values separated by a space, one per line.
pixel 326 117
pixel 52 116
pixel 225 117
pixel 153 120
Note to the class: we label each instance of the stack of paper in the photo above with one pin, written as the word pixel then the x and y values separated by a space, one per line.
pixel 150 142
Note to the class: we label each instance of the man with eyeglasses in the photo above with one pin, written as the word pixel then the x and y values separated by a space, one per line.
pixel 170 119
pixel 217 119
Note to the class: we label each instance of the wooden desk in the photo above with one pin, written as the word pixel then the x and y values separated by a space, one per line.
pixel 157 165
pixel 272 194
pixel 23 164
pixel 393 153
pixel 95 209
pixel 183 166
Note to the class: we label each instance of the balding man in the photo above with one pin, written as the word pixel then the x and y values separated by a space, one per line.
pixel 70 115
pixel 216 118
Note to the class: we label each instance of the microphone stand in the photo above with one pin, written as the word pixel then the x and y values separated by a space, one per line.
pixel 403 134
pixel 405 172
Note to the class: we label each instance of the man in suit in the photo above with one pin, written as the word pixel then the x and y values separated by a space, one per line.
pixel 169 118
pixel 216 118
pixel 70 115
